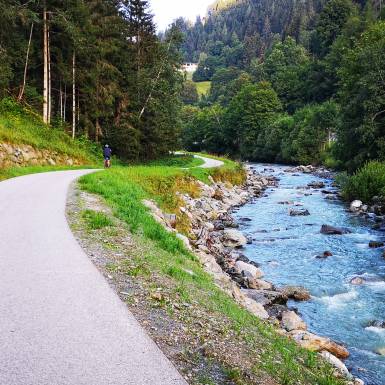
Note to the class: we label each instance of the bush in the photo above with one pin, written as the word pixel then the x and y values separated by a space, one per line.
pixel 367 182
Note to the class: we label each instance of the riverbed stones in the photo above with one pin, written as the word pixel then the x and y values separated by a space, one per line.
pixel 248 270
pixel 324 255
pixel 377 324
pixel 316 343
pixel 217 246
pixel 266 297
pixel 381 351
pixel 375 244
pixel 299 213
pixel 292 321
pixel 297 293
pixel 317 184
pixel 357 281
pixel 234 238
pixel 256 308
pixel 337 363
pixel 355 206
pixel 331 230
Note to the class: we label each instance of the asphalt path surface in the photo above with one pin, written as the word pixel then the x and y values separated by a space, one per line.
pixel 60 322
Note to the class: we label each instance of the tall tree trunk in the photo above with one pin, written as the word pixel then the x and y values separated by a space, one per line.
pixel 73 96
pixel 49 74
pixel 97 130
pixel 45 79
pixel 65 103
pixel 61 102
pixel 22 88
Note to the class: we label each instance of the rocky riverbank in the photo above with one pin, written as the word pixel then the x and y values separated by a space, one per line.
pixel 214 238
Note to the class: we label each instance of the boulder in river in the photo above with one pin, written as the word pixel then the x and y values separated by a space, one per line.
pixel 316 184
pixel 297 293
pixel 357 281
pixel 375 244
pixel 355 206
pixel 377 324
pixel 234 238
pixel 299 213
pixel 326 254
pixel 331 230
pixel 381 351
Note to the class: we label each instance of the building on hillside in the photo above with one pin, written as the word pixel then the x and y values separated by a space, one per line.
pixel 189 67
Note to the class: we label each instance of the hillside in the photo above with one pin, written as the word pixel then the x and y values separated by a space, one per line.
pixel 26 141
pixel 253 22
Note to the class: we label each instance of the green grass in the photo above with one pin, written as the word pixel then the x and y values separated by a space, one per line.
pixel 182 161
pixel 203 88
pixel 19 126
pixel 96 220
pixel 123 189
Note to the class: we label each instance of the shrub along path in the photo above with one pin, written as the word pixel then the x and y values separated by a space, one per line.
pixel 60 321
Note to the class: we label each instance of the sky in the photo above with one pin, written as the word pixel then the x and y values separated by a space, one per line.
pixel 166 11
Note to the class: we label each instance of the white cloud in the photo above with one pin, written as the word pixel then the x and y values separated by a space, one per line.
pixel 166 11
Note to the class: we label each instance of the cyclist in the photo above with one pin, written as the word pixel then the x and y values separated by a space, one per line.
pixel 107 152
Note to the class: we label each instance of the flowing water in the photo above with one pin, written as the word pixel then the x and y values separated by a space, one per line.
pixel 286 247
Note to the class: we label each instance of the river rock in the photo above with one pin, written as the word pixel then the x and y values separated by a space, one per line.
pixel 256 308
pixel 377 324
pixel 275 311
pixel 316 184
pixel 331 230
pixel 375 244
pixel 185 240
pixel 297 213
pixel 337 363
pixel 381 351
pixel 316 343
pixel 248 270
pixel 266 297
pixel 260 284
pixel 297 293
pixel 292 321
pixel 326 254
pixel 355 206
pixel 357 281
pixel 234 238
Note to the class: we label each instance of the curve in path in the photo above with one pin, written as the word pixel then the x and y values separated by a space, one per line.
pixel 60 322
pixel 209 162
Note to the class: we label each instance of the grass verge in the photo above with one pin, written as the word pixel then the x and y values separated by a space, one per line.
pixel 203 88
pixel 19 126
pixel 163 255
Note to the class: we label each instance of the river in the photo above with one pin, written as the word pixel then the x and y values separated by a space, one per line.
pixel 286 247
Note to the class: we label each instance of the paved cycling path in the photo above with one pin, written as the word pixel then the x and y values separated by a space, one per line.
pixel 60 322
pixel 209 162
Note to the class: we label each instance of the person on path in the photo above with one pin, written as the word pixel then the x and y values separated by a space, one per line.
pixel 107 152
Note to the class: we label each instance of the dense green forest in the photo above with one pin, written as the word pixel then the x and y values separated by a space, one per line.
pixel 95 68
pixel 291 81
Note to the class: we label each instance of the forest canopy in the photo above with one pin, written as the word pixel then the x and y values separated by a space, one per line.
pixel 320 66
pixel 96 68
